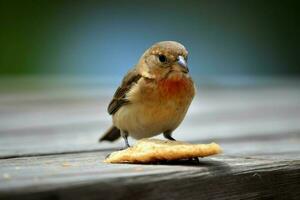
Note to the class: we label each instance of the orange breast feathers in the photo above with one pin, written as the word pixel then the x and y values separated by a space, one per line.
pixel 176 86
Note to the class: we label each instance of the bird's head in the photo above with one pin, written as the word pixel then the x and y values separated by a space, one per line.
pixel 164 59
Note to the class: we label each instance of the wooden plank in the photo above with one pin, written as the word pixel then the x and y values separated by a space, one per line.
pixel 49 149
pixel 38 145
pixel 94 111
pixel 85 176
pixel 84 136
pixel 73 122
pixel 92 106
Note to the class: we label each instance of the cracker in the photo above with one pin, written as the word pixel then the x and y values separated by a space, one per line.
pixel 153 150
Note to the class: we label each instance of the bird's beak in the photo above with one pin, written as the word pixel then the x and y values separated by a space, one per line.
pixel 183 64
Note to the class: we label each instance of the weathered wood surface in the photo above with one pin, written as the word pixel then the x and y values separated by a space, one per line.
pixel 49 150
pixel 84 176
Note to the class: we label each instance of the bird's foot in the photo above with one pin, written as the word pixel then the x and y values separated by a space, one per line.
pixel 126 147
pixel 107 155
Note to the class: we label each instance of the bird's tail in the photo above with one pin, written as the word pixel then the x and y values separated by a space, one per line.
pixel 112 134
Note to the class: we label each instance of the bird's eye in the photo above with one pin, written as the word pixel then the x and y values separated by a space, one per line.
pixel 162 58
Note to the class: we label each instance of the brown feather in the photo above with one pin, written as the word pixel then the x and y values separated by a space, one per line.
pixel 119 98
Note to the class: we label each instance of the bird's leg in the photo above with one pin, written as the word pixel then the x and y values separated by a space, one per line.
pixel 168 135
pixel 124 135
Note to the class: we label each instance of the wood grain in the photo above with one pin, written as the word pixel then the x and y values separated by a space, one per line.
pixel 85 176
pixel 49 131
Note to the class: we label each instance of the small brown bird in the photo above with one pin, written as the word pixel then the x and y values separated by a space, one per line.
pixel 154 96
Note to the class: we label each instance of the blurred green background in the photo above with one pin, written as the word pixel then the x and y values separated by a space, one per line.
pixel 235 38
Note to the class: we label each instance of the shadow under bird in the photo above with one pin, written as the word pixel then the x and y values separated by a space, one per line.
pixel 154 96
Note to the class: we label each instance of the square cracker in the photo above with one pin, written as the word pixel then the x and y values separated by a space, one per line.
pixel 153 150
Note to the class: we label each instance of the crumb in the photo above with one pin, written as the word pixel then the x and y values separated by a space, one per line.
pixel 6 176
pixel 138 169
pixel 66 164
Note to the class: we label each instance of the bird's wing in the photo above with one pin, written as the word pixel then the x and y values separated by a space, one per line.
pixel 119 98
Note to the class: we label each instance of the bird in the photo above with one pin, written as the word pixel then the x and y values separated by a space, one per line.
pixel 154 95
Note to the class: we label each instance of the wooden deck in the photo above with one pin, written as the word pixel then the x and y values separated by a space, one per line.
pixel 49 131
